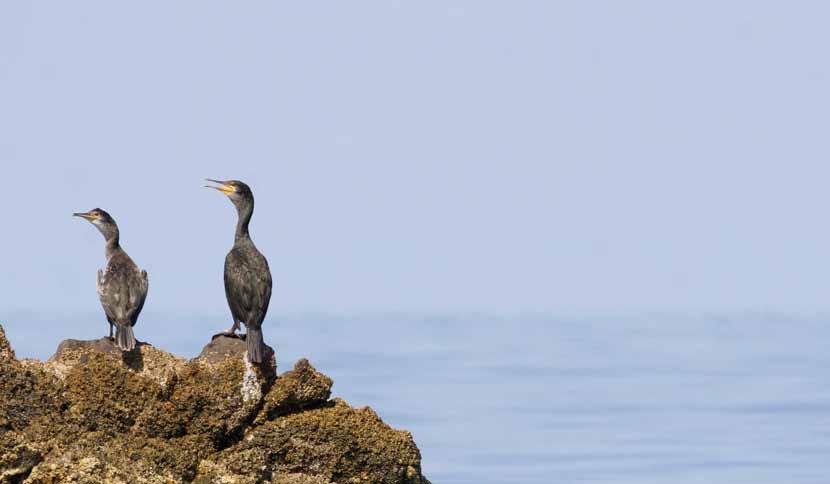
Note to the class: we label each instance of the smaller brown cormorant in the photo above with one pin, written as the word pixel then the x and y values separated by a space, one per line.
pixel 247 277
pixel 122 286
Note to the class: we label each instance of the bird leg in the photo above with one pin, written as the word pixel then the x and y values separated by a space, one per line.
pixel 111 331
pixel 233 329
pixel 229 333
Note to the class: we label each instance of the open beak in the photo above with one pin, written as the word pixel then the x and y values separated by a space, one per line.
pixel 84 215
pixel 223 186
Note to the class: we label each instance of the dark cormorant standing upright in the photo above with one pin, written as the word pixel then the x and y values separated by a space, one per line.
pixel 247 277
pixel 122 286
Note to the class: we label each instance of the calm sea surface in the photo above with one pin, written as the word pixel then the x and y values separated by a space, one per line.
pixel 644 400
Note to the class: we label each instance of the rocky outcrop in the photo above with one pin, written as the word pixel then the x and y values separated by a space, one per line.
pixel 94 414
pixel 299 389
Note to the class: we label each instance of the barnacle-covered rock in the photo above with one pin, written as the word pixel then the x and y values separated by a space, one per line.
pixel 94 414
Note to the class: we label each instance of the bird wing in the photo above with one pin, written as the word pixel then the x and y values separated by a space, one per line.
pixel 122 289
pixel 138 294
pixel 237 288
pixel 265 295
pixel 247 285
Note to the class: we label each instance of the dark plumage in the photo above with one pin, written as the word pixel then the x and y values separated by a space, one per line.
pixel 247 276
pixel 122 286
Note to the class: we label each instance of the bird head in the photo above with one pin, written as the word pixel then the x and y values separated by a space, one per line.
pixel 101 220
pixel 236 190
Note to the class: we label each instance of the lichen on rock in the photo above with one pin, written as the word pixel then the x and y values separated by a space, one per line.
pixel 94 414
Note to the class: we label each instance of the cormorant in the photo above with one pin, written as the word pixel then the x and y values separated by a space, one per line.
pixel 247 277
pixel 122 286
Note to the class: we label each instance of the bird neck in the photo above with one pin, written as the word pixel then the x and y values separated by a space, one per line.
pixel 245 211
pixel 112 236
pixel 113 245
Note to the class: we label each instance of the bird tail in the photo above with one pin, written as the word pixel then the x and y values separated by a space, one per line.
pixel 256 347
pixel 124 337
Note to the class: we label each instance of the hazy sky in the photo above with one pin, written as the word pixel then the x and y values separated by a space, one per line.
pixel 422 156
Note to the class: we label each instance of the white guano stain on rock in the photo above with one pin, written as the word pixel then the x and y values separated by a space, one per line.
pixel 251 388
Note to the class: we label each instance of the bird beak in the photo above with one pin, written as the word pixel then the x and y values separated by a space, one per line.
pixel 223 186
pixel 84 215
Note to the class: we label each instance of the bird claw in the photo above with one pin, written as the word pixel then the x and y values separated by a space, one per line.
pixel 227 334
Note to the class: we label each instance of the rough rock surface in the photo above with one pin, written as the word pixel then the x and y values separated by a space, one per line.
pixel 93 414
pixel 299 389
